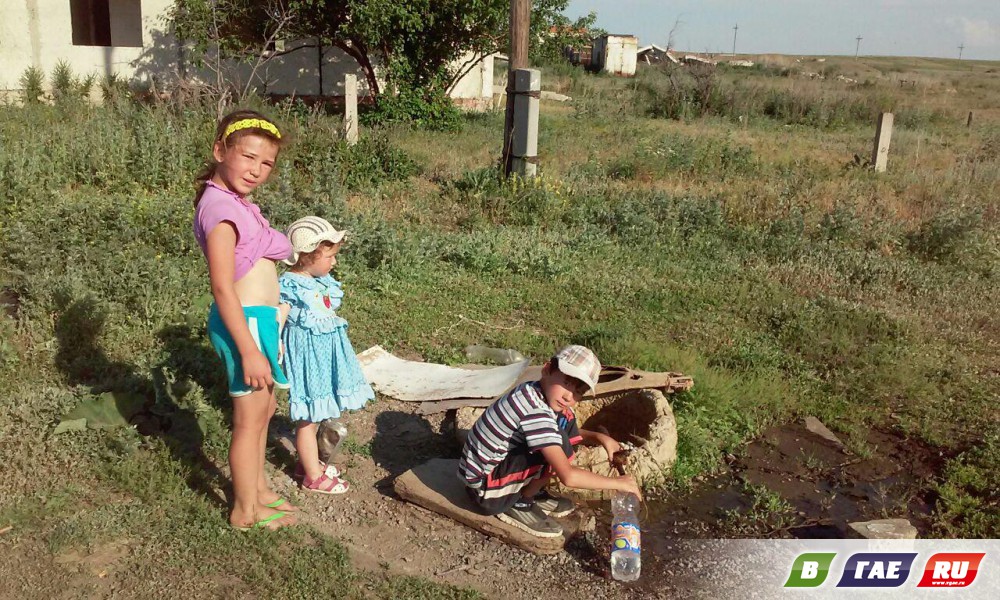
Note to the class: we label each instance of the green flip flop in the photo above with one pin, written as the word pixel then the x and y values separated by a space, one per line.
pixel 276 503
pixel 263 522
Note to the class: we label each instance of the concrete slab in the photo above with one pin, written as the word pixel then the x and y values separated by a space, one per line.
pixel 882 529
pixel 435 486
pixel 817 427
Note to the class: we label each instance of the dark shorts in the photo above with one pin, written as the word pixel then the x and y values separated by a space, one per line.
pixel 521 466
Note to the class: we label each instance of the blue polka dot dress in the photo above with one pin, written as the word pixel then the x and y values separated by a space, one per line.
pixel 319 361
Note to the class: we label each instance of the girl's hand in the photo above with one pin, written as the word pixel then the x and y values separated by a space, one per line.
pixel 257 371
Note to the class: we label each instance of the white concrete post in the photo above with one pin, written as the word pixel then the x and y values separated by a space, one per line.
pixel 883 133
pixel 524 145
pixel 351 109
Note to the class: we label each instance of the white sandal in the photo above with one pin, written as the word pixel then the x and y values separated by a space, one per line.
pixel 325 484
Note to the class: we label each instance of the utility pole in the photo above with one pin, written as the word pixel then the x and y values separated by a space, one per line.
pixel 858 47
pixel 520 22
pixel 960 49
pixel 736 30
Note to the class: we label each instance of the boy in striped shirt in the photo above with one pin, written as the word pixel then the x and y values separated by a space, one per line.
pixel 526 437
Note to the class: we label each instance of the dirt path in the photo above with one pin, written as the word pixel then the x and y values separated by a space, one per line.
pixel 383 532
pixel 822 484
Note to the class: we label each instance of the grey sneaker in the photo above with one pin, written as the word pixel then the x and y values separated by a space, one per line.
pixel 554 506
pixel 532 520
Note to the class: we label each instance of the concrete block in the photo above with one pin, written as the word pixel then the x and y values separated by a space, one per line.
pixel 435 486
pixel 882 529
pixel 816 426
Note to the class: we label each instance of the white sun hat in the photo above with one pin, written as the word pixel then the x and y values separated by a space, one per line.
pixel 308 233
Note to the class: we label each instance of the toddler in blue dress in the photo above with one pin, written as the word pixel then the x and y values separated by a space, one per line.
pixel 319 360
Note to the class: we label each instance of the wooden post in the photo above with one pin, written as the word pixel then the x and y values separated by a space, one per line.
pixel 524 137
pixel 883 133
pixel 319 65
pixel 520 21
pixel 969 122
pixel 351 109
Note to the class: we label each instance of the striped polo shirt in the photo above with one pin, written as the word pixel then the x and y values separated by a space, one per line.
pixel 520 418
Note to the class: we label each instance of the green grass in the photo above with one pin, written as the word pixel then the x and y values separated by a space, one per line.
pixel 746 254
pixel 767 514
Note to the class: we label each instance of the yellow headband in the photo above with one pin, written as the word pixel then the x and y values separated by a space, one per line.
pixel 248 123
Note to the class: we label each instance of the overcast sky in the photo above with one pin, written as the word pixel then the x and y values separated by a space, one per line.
pixel 888 27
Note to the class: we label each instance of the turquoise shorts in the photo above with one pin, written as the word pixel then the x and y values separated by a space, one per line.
pixel 263 324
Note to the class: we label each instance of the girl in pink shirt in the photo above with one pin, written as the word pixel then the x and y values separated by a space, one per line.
pixel 243 325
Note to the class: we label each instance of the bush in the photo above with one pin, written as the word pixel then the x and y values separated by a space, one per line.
pixel 421 108
pixel 941 237
pixel 32 83
pixel 484 194
pixel 67 87
pixel 374 160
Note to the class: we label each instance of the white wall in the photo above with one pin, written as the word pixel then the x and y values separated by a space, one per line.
pixel 478 82
pixel 618 54
pixel 295 74
pixel 39 33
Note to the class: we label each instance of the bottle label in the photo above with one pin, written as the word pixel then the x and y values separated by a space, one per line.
pixel 625 536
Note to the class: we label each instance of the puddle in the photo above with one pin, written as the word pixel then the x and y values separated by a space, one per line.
pixel 790 483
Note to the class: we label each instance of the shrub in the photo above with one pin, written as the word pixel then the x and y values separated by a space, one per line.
pixel 942 236
pixel 113 88
pixel 485 194
pixel 32 83
pixel 375 160
pixel 840 224
pixel 421 108
pixel 67 87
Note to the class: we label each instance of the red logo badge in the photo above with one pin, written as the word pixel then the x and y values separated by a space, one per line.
pixel 951 569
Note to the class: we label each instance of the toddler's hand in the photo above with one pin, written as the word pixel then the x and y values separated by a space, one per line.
pixel 257 371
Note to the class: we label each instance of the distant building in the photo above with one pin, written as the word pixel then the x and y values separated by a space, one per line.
pixel 128 38
pixel 653 54
pixel 695 59
pixel 615 54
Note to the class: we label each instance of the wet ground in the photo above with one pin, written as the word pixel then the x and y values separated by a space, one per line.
pixel 794 483
pixel 790 483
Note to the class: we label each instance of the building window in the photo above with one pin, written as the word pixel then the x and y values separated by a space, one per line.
pixel 106 22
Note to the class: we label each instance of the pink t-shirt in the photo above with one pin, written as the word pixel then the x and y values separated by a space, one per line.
pixel 255 238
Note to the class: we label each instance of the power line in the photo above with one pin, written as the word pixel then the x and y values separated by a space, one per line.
pixel 858 47
pixel 736 30
pixel 960 49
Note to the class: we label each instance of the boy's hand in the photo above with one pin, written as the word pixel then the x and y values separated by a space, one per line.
pixel 610 446
pixel 629 486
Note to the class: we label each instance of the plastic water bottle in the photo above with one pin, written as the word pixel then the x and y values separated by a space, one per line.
pixel 500 356
pixel 626 546
pixel 330 436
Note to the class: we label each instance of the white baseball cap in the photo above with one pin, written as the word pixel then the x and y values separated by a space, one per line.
pixel 580 363
pixel 308 233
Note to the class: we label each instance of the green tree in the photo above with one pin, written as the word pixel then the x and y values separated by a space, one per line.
pixel 417 42
pixel 553 32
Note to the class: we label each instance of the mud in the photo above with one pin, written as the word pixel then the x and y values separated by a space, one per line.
pixel 824 486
